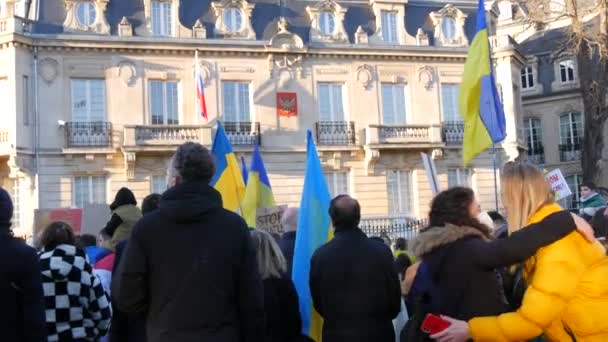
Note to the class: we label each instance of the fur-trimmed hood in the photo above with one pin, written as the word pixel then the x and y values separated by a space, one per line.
pixel 436 237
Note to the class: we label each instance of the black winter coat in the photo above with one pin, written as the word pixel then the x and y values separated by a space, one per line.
pixel 355 288
pixel 192 267
pixel 287 245
pixel 22 305
pixel 463 263
pixel 283 322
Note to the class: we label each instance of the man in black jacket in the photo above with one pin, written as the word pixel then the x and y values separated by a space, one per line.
pixel 191 264
pixel 289 220
pixel 22 305
pixel 353 283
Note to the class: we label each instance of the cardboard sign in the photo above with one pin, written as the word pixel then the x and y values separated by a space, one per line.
pixel 431 173
pixel 44 217
pixel 287 104
pixel 269 219
pixel 558 184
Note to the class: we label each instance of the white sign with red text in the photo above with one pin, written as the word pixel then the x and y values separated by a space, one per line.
pixel 558 184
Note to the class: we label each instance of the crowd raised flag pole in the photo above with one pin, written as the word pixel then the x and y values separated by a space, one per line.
pixel 258 193
pixel 201 105
pixel 314 229
pixel 479 103
pixel 228 179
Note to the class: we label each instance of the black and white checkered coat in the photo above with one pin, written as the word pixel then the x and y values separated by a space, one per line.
pixel 76 305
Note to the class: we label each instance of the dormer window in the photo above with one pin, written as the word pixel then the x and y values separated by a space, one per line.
pixel 85 13
pixel 162 18
pixel 448 25
pixel 527 78
pixel 566 71
pixel 327 23
pixel 233 19
pixel 389 27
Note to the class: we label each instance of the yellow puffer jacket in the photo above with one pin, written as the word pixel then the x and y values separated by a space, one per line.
pixel 567 295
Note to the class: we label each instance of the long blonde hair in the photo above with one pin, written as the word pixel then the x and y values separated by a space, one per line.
pixel 271 261
pixel 525 190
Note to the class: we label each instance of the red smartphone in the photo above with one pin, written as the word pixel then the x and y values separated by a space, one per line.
pixel 434 324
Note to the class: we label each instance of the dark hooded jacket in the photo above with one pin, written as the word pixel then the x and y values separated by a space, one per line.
pixel 22 305
pixel 462 262
pixel 191 266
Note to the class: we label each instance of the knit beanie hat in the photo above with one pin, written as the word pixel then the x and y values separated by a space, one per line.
pixel 6 208
pixel 124 196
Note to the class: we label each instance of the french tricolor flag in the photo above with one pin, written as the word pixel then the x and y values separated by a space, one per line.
pixel 200 89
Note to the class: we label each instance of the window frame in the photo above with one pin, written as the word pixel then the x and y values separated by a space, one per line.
pixel 91 8
pixel 533 140
pixel 153 186
pixel 454 98
pixel 162 18
pixel 390 29
pixel 572 202
pixel 333 182
pixel 394 90
pixel 460 172
pixel 333 109
pixel 569 71
pixel 527 78
pixel 327 18
pixel 452 21
pixel 571 123
pixel 89 99
pixel 238 86
pixel 166 120
pixel 406 209
pixel 230 15
pixel 91 190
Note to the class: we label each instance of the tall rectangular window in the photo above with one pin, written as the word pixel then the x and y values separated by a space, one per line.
pixel 337 183
pixel 534 137
pixel 16 204
pixel 89 190
pixel 158 184
pixel 236 101
pixel 162 18
pixel 449 102
pixel 527 78
pixel 164 102
pixel 394 104
pixel 566 71
pixel 459 177
pixel 88 100
pixel 389 27
pixel 574 183
pixel 400 192
pixel 570 129
pixel 26 100
pixel 331 105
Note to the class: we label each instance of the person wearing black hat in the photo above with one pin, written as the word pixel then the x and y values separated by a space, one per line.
pixel 125 214
pixel 22 309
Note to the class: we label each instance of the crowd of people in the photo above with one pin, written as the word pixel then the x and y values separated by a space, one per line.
pixel 182 268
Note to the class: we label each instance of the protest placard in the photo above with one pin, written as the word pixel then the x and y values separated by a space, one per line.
pixel 269 219
pixel 558 184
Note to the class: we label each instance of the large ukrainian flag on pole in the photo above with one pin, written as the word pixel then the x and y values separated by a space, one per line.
pixel 228 179
pixel 258 193
pixel 313 231
pixel 480 105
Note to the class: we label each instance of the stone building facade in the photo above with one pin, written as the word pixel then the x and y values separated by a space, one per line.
pixel 97 94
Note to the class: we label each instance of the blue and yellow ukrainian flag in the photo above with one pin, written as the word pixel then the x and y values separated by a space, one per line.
pixel 314 229
pixel 228 179
pixel 258 193
pixel 480 105
pixel 244 170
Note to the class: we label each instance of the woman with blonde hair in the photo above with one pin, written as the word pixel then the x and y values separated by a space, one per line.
pixel 283 322
pixel 567 297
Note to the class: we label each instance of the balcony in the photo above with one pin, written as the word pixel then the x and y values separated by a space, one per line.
pixel 243 133
pixel 403 136
pixel 335 133
pixel 88 134
pixel 536 153
pixel 163 137
pixel 453 132
pixel 570 152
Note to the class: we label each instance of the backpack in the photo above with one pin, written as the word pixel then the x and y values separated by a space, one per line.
pixel 424 298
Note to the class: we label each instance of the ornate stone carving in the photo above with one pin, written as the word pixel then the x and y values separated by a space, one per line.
pixel 99 26
pixel 339 34
pixel 246 30
pixel 49 70
pixel 361 37
pixel 422 39
pixel 284 40
pixel 449 12
pixel 371 159
pixel 365 75
pixel 426 77
pixel 206 71
pixel 127 72
pixel 437 154
pixel 285 68
pixel 124 28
